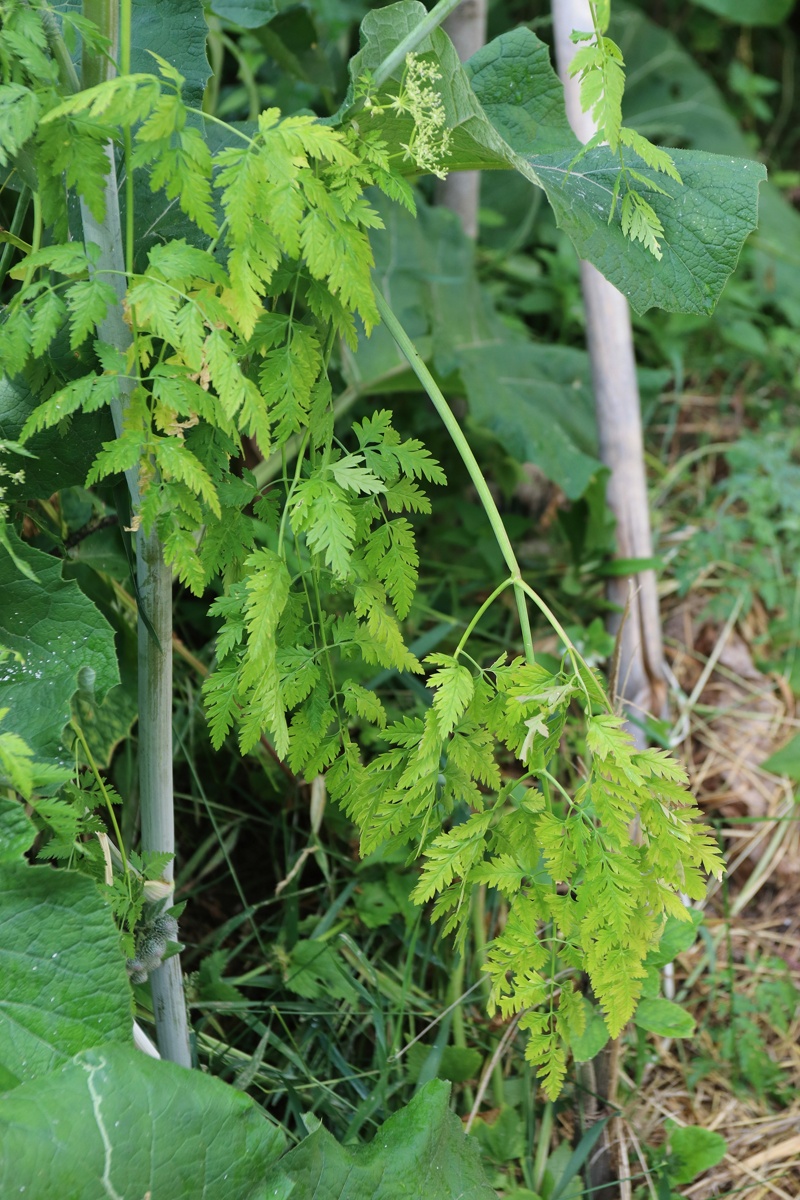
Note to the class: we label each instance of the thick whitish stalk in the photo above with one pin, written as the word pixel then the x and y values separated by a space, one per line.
pixel 461 190
pixel 640 669
pixel 154 581
pixel 155 774
pixel 610 340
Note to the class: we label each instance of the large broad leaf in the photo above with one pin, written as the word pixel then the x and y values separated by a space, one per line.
pixel 706 218
pixel 506 109
pixel 521 394
pixel 696 1149
pixel 65 987
pixel 177 30
pixel 677 937
pixel 594 1037
pixel 750 12
pixel 63 456
pixel 664 1017
pixel 671 99
pixel 174 29
pixel 419 1152
pixel 116 1123
pixel 785 761
pixel 60 642
pixel 250 14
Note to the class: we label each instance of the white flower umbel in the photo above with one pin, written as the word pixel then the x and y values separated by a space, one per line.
pixel 429 145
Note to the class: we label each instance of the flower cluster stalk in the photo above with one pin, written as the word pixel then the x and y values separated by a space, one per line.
pixel 439 13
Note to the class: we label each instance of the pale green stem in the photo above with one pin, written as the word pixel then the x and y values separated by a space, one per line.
pixel 154 577
pixel 222 124
pixel 452 426
pixel 291 491
pixel 155 772
pixel 439 13
pixel 97 68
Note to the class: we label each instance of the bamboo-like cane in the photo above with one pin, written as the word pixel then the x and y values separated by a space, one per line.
pixel 610 341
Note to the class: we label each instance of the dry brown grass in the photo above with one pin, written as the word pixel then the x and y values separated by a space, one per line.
pixel 733 717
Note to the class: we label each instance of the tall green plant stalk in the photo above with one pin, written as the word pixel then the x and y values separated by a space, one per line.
pixel 153 576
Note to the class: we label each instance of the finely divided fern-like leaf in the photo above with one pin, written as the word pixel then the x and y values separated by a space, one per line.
pixel 88 302
pixel 391 553
pixel 455 687
pixel 19 112
pixel 653 156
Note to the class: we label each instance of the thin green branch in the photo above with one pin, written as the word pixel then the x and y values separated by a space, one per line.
pixel 101 784
pixel 488 602
pixel 575 655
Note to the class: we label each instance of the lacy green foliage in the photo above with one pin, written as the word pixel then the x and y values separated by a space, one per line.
pixel 12 477
pixel 282 638
pixel 16 768
pixel 216 353
pixel 601 70
pixel 583 896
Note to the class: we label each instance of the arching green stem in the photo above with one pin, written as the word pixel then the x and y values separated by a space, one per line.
pixel 452 426
pixel 487 604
